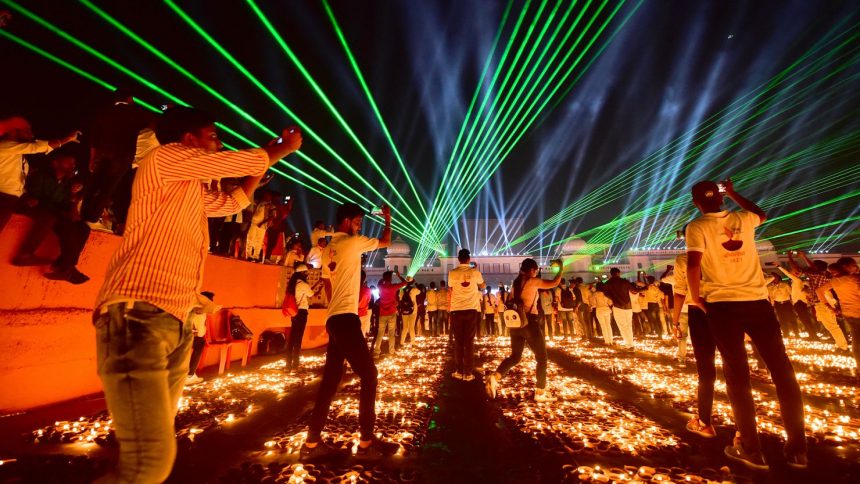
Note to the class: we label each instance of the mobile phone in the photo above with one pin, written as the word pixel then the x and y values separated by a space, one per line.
pixel 721 187
pixel 163 107
pixel 280 140
pixel 376 211
pixel 287 198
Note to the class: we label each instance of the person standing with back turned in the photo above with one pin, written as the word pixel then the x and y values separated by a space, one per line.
pixel 724 277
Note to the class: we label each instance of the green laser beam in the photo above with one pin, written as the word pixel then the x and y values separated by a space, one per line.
pixel 358 74
pixel 413 222
pixel 329 105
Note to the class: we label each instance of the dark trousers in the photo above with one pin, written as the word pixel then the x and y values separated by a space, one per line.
pixel 490 323
pixel 72 236
pixel 705 350
pixel 653 315
pixel 728 322
pixel 801 309
pixel 434 322
pixel 345 342
pixel 297 332
pixel 215 225
pixel 787 318
pixel 44 220
pixel 464 324
pixel 106 178
pixel 196 352
pixel 229 233
pixel 7 208
pixel 532 336
pixel 443 322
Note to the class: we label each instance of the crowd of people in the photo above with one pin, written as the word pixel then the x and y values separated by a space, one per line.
pixel 72 196
pixel 174 195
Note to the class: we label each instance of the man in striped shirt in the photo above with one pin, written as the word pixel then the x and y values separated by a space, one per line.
pixel 143 330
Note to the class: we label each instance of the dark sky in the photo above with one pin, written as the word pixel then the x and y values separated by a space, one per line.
pixel 671 67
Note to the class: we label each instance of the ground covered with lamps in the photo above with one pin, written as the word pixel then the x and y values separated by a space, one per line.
pixel 619 418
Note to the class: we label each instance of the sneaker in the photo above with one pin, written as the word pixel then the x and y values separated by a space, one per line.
pixel 543 396
pixel 492 386
pixel 99 227
pixel 797 461
pixel 753 461
pixel 72 275
pixel 697 427
pixel 457 375
pixel 322 451
pixel 192 380
pixel 378 448
pixel 468 377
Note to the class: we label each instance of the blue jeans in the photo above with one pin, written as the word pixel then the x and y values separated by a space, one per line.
pixel 142 356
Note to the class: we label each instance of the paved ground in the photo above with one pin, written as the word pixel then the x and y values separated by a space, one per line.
pixel 618 417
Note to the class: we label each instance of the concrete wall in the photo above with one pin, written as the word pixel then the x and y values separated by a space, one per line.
pixel 47 342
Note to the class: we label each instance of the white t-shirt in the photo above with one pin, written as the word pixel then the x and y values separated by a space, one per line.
pixel 198 323
pixel 678 280
pixel 303 294
pixel 315 257
pixel 731 269
pixel 317 234
pixel 292 258
pixel 489 303
pixel 464 282
pixel 345 251
pixel 13 165
pixel 442 299
pixel 601 301
pixel 431 300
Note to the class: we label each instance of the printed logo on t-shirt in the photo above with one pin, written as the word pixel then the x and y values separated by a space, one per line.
pixel 332 253
pixel 732 245
pixel 466 282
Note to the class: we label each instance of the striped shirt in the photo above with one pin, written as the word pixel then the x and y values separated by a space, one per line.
pixel 160 259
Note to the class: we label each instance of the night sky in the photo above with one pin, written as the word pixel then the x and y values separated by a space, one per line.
pixel 672 66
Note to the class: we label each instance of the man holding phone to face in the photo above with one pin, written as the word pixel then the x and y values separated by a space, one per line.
pixel 725 279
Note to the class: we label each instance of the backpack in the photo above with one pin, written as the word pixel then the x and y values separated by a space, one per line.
pixel 290 307
pixel 271 343
pixel 568 301
pixel 238 329
pixel 406 305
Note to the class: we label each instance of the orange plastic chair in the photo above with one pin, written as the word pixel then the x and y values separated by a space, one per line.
pixel 218 334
